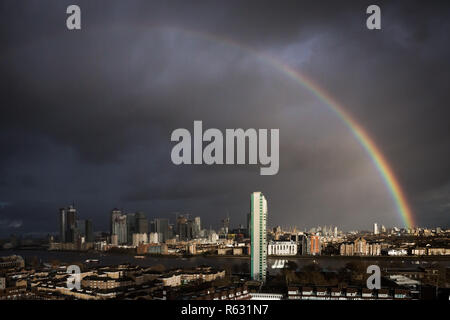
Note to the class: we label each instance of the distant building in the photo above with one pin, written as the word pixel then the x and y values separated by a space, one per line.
pixel 346 249
pixel 139 238
pixel 141 223
pixel 397 252
pixel 80 230
pixel 162 228
pixel 419 251
pixel 153 237
pixel 197 227
pixel 68 217
pixel 184 228
pixel 89 231
pixel 115 214
pixel 192 248
pixel 438 251
pixel 13 261
pixel 114 239
pixel 151 226
pixel 374 249
pixel 131 226
pixel 360 247
pixel 213 237
pixel 119 227
pixel 157 248
pixel 311 245
pixel 282 248
pixel 375 228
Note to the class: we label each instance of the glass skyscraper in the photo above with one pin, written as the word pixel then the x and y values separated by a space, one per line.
pixel 68 217
pixel 258 234
pixel 162 228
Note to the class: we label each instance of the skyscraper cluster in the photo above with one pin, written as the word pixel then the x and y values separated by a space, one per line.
pixel 72 229
pixel 188 229
pixel 130 228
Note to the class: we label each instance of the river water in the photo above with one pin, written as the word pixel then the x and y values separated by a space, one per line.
pixel 237 264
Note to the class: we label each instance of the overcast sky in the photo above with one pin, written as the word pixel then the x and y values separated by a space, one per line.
pixel 86 116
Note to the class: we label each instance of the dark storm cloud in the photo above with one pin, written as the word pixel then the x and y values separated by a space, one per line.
pixel 87 115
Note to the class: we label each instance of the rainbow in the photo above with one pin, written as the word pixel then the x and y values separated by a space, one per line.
pixel 362 137
pixel 380 162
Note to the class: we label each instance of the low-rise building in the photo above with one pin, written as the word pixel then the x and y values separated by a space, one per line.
pixel 170 280
pixel 282 248
pixel 13 261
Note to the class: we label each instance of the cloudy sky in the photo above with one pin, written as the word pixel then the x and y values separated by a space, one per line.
pixel 86 116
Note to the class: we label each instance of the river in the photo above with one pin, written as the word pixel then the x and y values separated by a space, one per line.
pixel 237 264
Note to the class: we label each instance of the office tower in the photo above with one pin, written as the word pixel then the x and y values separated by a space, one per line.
pixel 141 223
pixel 122 229
pixel 89 231
pixel 375 228
pixel 313 246
pixel 335 232
pixel 258 232
pixel 71 216
pixel 80 230
pixel 162 228
pixel 131 226
pixel 185 228
pixel 197 227
pixel 68 217
pixel 171 231
pixel 190 230
pixel 115 213
pixel 119 226
pixel 180 226
pixel 226 224
pixel 151 226
pixel 62 225
pixel 302 241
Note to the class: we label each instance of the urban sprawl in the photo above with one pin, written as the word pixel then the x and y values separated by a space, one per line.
pixel 414 261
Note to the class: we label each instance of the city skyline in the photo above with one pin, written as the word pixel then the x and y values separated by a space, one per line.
pixel 87 115
pixel 162 225
pixel 106 226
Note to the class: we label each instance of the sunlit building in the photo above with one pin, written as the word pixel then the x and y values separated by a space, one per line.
pixel 258 233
